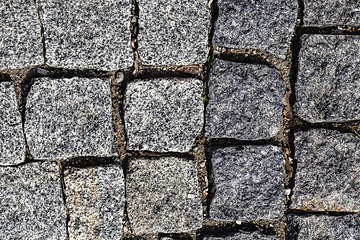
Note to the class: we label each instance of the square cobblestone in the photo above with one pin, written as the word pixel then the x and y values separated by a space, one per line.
pixel 69 117
pixel 163 115
pixel 95 199
pixel 87 34
pixel 173 32
pixel 31 202
pixel 162 195
pixel 260 24
pixel 328 165
pixel 247 183
pixel 20 35
pixel 245 101
pixel 241 235
pixel 328 84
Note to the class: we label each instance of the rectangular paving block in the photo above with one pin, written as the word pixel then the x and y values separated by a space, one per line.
pixel 12 142
pixel 95 199
pixel 245 101
pixel 87 34
pixel 31 202
pixel 331 12
pixel 163 115
pixel 328 165
pixel 20 35
pixel 247 183
pixel 69 117
pixel 241 235
pixel 162 195
pixel 328 84
pixel 260 24
pixel 173 32
pixel 323 227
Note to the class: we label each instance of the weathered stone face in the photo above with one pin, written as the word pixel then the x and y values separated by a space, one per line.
pixel 241 235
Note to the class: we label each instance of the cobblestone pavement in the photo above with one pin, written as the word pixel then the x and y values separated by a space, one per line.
pixel 180 119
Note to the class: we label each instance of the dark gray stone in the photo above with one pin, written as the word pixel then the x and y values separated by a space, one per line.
pixel 69 118
pixel 162 195
pixel 331 12
pixel 245 101
pixel 247 183
pixel 260 24
pixel 242 235
pixel 173 32
pixel 323 227
pixel 328 85
pixel 20 35
pixel 164 114
pixel 95 199
pixel 31 203
pixel 87 34
pixel 328 165
pixel 12 142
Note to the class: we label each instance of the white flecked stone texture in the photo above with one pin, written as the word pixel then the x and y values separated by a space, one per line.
pixel 87 34
pixel 241 235
pixel 162 195
pixel 173 32
pixel 163 115
pixel 69 117
pixel 20 35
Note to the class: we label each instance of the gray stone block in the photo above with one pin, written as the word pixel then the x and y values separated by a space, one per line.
pixel 245 101
pixel 247 183
pixel 173 32
pixel 323 227
pixel 20 35
pixel 328 165
pixel 87 34
pixel 260 24
pixel 163 115
pixel 12 142
pixel 242 235
pixel 331 12
pixel 95 199
pixel 68 118
pixel 31 203
pixel 328 84
pixel 162 195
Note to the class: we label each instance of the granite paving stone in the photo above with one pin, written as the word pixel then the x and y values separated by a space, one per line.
pixel 328 84
pixel 31 203
pixel 163 115
pixel 247 183
pixel 20 35
pixel 162 195
pixel 327 174
pixel 173 32
pixel 258 24
pixel 331 12
pixel 87 34
pixel 69 117
pixel 241 235
pixel 245 101
pixel 12 142
pixel 95 199
pixel 323 227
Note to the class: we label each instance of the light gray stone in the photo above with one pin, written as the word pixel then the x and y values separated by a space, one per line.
pixel 242 235
pixel 245 101
pixel 69 118
pixel 328 165
pixel 20 35
pixel 87 34
pixel 31 203
pixel 173 32
pixel 328 84
pixel 12 142
pixel 95 201
pixel 259 24
pixel 162 195
pixel 163 115
pixel 247 183
pixel 305 227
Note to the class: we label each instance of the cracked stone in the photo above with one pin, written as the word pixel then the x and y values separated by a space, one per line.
pixel 241 235
pixel 69 117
